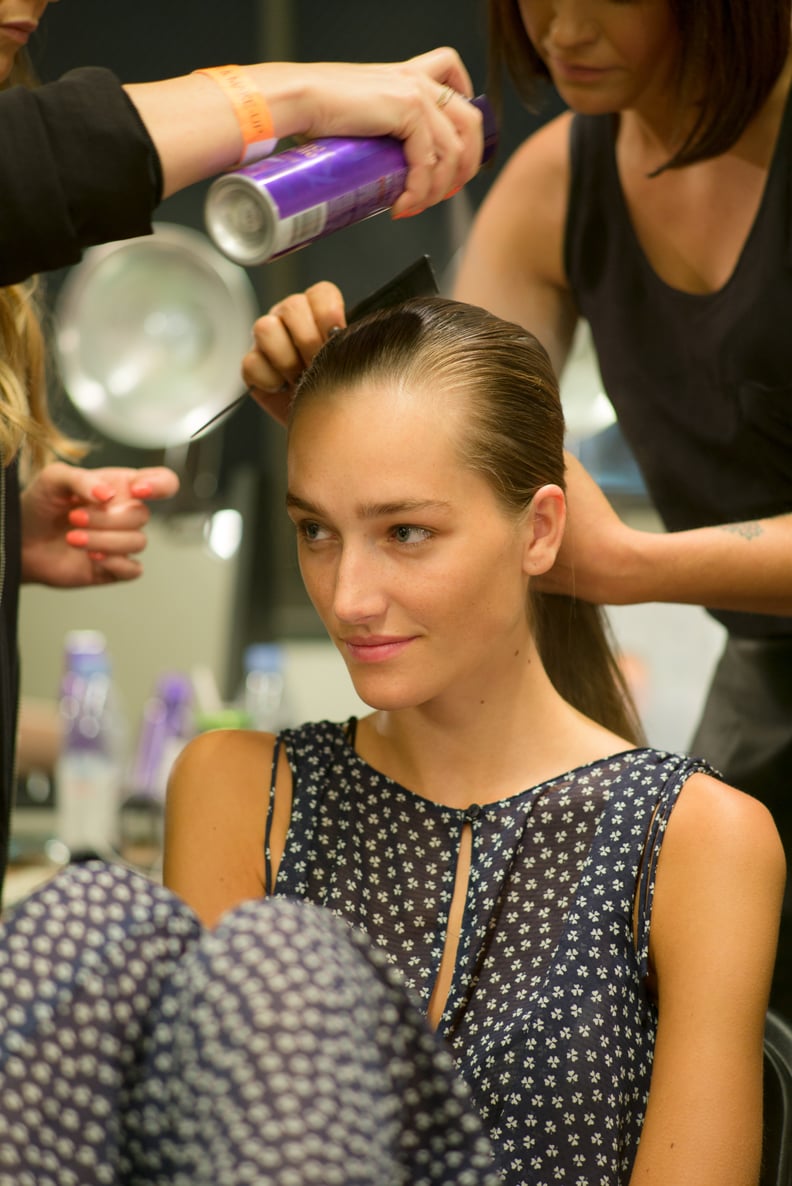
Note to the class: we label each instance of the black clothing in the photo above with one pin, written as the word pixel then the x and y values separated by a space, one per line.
pixel 78 168
pixel 702 387
pixel 701 384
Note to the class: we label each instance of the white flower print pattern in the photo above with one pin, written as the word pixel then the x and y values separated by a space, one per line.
pixel 137 1049
pixel 548 1018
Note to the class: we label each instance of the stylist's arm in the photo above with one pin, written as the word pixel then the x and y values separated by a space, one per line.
pixel 85 527
pixel 196 132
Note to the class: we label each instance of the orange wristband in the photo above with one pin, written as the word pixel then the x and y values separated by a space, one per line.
pixel 250 108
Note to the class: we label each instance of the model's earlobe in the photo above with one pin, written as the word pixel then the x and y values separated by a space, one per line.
pixel 544 529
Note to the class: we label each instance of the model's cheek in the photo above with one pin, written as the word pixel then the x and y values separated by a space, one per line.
pixel 499 598
pixel 318 581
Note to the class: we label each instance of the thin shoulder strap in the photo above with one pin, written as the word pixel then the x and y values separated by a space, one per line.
pixel 654 842
pixel 306 789
pixel 268 880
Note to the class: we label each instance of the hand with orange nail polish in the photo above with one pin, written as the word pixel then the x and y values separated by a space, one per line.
pixel 87 527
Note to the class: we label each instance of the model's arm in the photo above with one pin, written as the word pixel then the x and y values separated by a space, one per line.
pixel 746 567
pixel 714 929
pixel 216 817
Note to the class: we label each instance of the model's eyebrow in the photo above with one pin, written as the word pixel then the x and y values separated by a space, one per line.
pixel 374 510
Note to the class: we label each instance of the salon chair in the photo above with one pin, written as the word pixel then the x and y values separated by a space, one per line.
pixel 777 1152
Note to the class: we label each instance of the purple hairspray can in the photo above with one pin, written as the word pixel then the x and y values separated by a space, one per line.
pixel 284 202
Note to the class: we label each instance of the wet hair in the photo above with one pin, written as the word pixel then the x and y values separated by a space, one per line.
pixel 513 435
pixel 735 48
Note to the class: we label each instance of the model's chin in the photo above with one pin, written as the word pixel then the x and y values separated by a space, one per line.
pixel 385 695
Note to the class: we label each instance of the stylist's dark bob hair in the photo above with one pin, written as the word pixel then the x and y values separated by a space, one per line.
pixel 732 53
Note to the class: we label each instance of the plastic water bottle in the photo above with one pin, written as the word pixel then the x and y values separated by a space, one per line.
pixel 264 688
pixel 166 728
pixel 88 768
pixel 168 724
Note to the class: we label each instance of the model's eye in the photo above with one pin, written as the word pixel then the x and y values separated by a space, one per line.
pixel 311 531
pixel 404 533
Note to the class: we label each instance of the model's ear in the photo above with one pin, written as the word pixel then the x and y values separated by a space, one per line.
pixel 544 529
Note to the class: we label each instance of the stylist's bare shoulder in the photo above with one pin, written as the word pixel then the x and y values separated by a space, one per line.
pixel 513 263
pixel 531 194
pixel 215 820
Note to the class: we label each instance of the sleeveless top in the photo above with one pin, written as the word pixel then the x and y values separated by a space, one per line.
pixel 701 383
pixel 547 1017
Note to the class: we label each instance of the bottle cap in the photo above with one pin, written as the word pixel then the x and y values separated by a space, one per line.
pixel 223 718
pixel 85 652
pixel 263 656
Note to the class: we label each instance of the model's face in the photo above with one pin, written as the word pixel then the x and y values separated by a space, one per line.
pixel 19 20
pixel 606 55
pixel 412 565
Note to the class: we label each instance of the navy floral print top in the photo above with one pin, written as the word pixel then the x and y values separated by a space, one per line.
pixel 548 1017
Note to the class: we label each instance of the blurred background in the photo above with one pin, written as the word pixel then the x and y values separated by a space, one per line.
pixel 220 568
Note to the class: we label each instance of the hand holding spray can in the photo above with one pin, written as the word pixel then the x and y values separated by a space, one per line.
pixel 284 202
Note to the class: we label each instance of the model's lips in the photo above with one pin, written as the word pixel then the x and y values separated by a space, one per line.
pixel 375 648
pixel 20 31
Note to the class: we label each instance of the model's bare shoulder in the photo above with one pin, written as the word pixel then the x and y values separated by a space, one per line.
pixel 211 753
pixel 719 886
pixel 215 820
pixel 715 818
pixel 714 929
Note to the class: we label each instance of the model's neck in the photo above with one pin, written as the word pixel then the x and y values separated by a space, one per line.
pixel 481 748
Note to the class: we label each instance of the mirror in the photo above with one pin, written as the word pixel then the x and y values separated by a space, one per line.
pixel 150 334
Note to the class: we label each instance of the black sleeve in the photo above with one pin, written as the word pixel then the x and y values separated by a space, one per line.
pixel 77 167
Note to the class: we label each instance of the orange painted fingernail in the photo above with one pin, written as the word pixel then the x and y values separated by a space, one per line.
pixel 409 213
pixel 102 491
pixel 77 539
pixel 451 193
pixel 141 489
pixel 79 517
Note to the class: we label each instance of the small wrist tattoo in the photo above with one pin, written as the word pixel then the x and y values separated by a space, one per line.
pixel 744 530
